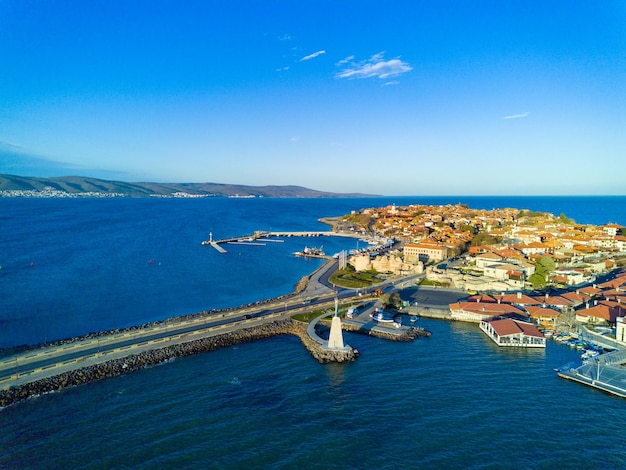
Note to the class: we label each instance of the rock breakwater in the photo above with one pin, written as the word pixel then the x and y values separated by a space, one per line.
pixel 117 367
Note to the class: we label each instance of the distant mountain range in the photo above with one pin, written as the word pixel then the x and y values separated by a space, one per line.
pixel 11 185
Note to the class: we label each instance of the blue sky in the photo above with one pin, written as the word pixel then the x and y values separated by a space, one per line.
pixel 396 97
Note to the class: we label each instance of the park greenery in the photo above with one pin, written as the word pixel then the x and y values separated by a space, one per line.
pixel 428 282
pixel 352 279
pixel 307 317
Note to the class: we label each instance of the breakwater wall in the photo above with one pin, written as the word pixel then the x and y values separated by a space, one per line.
pixel 117 367
pixel 431 312
pixel 300 286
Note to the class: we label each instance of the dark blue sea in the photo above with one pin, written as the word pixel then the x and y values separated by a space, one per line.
pixel 454 400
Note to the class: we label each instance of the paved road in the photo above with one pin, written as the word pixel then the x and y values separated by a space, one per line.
pixel 319 295
pixel 48 361
pixel 432 296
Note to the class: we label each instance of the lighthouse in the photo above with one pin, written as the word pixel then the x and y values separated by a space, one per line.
pixel 335 340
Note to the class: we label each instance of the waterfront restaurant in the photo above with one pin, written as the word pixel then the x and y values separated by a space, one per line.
pixel 509 332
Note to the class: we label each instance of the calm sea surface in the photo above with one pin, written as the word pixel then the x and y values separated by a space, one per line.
pixel 453 400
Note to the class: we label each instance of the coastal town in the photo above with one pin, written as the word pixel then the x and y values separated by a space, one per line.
pixel 523 277
pixel 529 275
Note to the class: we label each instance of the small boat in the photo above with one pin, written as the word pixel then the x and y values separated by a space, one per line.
pixel 311 252
pixel 588 354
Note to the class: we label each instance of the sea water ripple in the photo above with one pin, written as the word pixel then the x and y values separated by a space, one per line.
pixel 453 400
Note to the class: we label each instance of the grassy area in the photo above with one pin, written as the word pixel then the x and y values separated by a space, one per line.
pixel 426 282
pixel 351 279
pixel 307 317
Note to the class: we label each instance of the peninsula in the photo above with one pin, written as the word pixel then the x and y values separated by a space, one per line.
pixel 516 265
pixel 79 186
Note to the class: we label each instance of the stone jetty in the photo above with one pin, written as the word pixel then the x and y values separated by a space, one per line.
pixel 409 334
pixel 154 357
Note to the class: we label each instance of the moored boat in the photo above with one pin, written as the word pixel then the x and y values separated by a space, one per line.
pixel 311 252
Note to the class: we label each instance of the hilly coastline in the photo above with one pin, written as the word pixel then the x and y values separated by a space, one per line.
pixel 26 186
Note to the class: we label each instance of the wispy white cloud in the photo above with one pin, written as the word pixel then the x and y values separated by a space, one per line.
pixel 376 66
pixel 312 56
pixel 282 69
pixel 516 116
pixel 345 61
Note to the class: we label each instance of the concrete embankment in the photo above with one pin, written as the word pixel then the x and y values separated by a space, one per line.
pixel 408 334
pixel 405 334
pixel 431 312
pixel 154 357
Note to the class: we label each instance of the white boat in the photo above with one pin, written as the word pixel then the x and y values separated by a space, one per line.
pixel 311 252
pixel 588 354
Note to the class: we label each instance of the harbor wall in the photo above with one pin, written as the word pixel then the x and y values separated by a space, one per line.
pixel 154 357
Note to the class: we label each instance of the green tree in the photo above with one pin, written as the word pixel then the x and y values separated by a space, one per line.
pixel 543 266
pixel 392 299
pixel 537 280
pixel 483 238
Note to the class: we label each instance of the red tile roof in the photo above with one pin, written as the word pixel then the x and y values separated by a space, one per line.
pixel 558 301
pixel 604 310
pixel 482 298
pixel 536 312
pixel 589 291
pixel 486 308
pixel 507 327
pixel 518 299
pixel 574 297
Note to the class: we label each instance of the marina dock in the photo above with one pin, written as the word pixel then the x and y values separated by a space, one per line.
pixel 218 248
pixel 254 238
pixel 605 372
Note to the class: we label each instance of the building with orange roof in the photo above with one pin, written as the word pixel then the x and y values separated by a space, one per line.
pixel 482 298
pixel 558 302
pixel 477 311
pixel 604 312
pixel 513 333
pixel 589 291
pixel 543 316
pixel 518 298
pixel 576 298
pixel 424 252
pixel 613 229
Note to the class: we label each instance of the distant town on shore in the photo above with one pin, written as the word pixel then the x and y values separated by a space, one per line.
pixel 79 186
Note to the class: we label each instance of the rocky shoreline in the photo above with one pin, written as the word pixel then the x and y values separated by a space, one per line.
pixel 154 357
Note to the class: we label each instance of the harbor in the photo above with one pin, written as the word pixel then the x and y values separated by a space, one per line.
pixel 260 238
pixel 604 372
